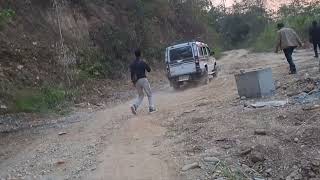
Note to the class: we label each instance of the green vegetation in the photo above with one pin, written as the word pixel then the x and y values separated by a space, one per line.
pixel 266 39
pixel 217 52
pixel 297 15
pixel 93 65
pixel 234 173
pixel 5 16
pixel 154 24
pixel 249 24
pixel 150 25
pixel 42 101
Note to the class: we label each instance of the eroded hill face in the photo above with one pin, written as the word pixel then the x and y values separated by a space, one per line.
pixel 67 43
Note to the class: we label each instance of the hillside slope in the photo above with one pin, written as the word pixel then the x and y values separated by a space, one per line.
pixel 64 44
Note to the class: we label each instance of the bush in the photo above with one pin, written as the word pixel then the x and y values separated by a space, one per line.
pixel 266 41
pixel 299 18
pixel 96 65
pixel 300 23
pixel 5 16
pixel 41 101
pixel 217 52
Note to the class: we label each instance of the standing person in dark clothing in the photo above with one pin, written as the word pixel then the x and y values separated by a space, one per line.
pixel 139 79
pixel 315 37
pixel 287 41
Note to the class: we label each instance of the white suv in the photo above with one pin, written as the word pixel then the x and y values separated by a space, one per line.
pixel 189 62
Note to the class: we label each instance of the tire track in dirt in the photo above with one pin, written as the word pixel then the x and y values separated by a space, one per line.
pixel 134 153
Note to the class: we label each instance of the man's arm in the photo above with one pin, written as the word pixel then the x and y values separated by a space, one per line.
pixel 133 75
pixel 298 38
pixel 147 67
pixel 278 45
pixel 310 35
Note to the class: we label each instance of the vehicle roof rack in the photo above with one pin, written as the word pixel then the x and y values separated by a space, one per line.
pixel 182 42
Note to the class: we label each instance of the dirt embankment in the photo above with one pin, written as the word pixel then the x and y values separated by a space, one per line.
pixel 43 45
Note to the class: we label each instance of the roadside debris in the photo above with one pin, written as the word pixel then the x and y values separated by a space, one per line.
pixel 155 153
pixel 294 175
pixel 61 133
pixel 257 157
pixel 282 117
pixel 211 159
pixel 188 111
pixel 20 67
pixel 93 169
pixel 306 98
pixel 260 132
pixel 190 166
pixel 3 107
pixel 258 178
pixel 60 162
pixel 205 103
pixel 269 104
pixel 245 152
pixel 311 108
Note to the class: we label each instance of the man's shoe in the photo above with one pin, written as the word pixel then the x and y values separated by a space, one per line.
pixel 316 56
pixel 134 109
pixel 293 72
pixel 152 110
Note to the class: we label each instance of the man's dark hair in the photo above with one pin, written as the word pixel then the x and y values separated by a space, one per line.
pixel 137 53
pixel 280 25
pixel 314 23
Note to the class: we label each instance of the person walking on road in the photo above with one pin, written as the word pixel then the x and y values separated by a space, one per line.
pixel 315 37
pixel 287 41
pixel 139 79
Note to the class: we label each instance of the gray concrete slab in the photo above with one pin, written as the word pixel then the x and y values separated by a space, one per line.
pixel 255 83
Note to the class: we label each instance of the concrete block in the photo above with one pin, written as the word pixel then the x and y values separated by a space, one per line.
pixel 255 83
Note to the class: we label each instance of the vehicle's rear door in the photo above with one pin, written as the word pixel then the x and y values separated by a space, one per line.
pixel 181 61
pixel 203 56
pixel 211 61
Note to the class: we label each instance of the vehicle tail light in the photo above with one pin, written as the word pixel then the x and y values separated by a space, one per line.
pixel 197 64
pixel 197 60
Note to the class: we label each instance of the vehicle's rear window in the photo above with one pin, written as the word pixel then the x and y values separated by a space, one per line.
pixel 181 53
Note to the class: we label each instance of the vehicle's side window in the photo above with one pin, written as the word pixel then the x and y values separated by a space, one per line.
pixel 205 51
pixel 195 50
pixel 209 53
pixel 200 51
pixel 208 50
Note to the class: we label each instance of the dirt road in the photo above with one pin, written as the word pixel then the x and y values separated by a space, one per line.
pixel 191 124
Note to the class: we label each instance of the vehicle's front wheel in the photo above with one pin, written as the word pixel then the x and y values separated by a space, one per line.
pixel 215 71
pixel 205 79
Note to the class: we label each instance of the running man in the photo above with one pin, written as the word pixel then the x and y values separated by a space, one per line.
pixel 314 34
pixel 287 41
pixel 139 79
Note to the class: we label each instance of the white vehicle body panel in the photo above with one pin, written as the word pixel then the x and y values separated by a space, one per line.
pixel 187 59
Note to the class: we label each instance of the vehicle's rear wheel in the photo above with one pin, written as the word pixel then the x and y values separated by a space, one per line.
pixel 175 85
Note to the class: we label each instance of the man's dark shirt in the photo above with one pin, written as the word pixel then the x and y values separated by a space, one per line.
pixel 138 70
pixel 315 34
